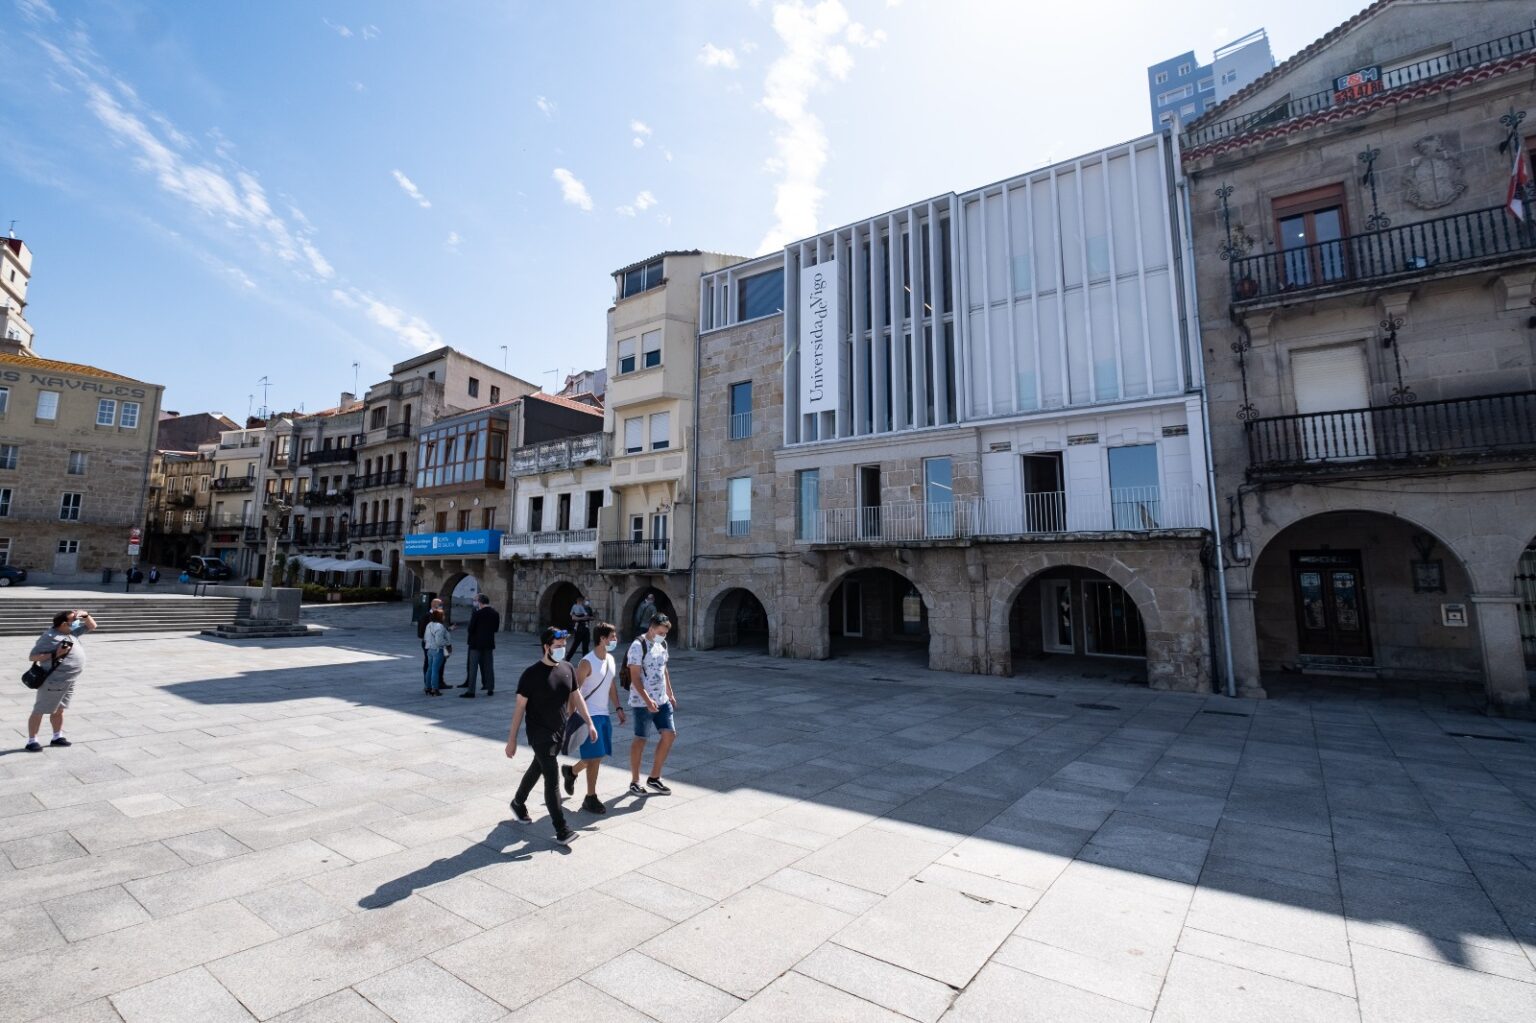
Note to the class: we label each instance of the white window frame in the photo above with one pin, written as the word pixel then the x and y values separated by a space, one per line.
pixel 70 511
pixel 636 444
pixel 14 450
pixel 5 400
pixel 650 342
pixel 67 547
pixel 52 415
pixel 106 411
pixel 629 350
pixel 129 420
pixel 5 550
pixel 84 460
pixel 1161 78
pixel 1184 69
pixel 738 504
pixel 666 431
pixel 5 503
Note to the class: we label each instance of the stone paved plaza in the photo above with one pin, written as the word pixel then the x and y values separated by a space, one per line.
pixel 290 831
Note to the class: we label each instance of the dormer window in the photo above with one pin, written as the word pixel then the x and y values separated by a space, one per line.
pixel 641 278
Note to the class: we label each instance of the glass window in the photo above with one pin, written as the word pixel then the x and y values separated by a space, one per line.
pixel 5 399
pixel 48 405
pixel 627 355
pixel 68 547
pixel 661 430
pixel 1183 70
pixel 1206 85
pixel 69 507
pixel 1133 489
pixel 760 295
pixel 808 505
pixel 634 435
pixel 739 506
pixel 641 278
pixel 106 412
pixel 650 349
pixel 77 463
pixel 741 410
pixel 5 550
pixel 535 514
pixel 939 496
pixel 5 501
pixel 130 417
pixel 474 387
pixel 495 395
pixel 9 455
pixel 1162 77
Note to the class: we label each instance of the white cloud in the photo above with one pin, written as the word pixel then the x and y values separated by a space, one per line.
pixel 858 35
pixel 370 31
pixel 639 127
pixel 37 11
pixel 341 30
pixel 572 190
pixel 644 201
pixel 809 34
pixel 359 87
pixel 546 105
pixel 711 55
pixel 410 330
pixel 452 242
pixel 409 188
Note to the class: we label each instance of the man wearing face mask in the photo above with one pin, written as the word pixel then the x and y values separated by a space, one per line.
pixel 598 682
pixel 546 694
pixel 61 648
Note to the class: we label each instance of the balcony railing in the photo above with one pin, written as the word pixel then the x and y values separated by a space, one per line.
pixel 328 456
pixel 1463 428
pixel 392 478
pixel 244 442
pixel 378 530
pixel 740 426
pixel 1413 249
pixel 226 484
pixel 322 499
pixel 562 543
pixel 397 431
pixel 227 520
pixel 318 538
pixel 554 455
pixel 1292 107
pixel 1123 510
pixel 636 555
pixel 180 500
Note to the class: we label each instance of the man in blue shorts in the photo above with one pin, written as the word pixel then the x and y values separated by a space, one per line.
pixel 652 703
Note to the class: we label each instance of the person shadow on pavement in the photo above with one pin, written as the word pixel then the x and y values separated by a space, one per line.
pixel 505 842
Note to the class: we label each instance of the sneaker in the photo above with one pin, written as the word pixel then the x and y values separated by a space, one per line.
pixel 593 805
pixel 61 741
pixel 569 773
pixel 565 837
pixel 657 785
pixel 520 813
pixel 33 746
pixel 635 789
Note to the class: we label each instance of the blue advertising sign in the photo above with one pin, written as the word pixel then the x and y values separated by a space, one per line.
pixel 451 545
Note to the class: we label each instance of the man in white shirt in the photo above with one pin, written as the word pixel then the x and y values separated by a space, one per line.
pixel 652 703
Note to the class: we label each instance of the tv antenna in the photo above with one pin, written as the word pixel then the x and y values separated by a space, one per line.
pixel 556 374
pixel 503 358
pixel 265 388
pixel 250 405
pixel 12 229
pixel 354 379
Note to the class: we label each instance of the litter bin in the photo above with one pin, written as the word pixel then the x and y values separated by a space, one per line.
pixel 422 606
pixel 106 575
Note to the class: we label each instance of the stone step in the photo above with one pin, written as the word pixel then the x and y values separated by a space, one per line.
pixel 29 616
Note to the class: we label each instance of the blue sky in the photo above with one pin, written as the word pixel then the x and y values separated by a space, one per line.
pixel 220 191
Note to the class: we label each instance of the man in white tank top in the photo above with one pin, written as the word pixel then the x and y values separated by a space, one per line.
pixel 597 678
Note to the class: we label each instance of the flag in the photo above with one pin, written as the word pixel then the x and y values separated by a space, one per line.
pixel 1517 199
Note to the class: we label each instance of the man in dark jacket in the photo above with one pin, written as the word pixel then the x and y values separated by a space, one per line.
pixel 484 623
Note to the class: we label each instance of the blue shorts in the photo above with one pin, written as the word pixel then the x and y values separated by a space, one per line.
pixel 644 719
pixel 602 746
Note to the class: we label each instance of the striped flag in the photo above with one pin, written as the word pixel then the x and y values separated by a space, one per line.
pixel 1517 199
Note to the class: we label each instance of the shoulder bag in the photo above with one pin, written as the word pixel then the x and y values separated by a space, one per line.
pixel 36 674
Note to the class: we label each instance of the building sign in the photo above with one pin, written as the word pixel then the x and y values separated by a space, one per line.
pixel 820 349
pixel 452 545
pixel 1357 84
pixel 109 390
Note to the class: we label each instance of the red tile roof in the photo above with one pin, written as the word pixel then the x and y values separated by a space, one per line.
pixel 36 363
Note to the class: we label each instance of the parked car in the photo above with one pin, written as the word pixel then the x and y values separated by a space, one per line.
pixel 208 568
pixel 11 575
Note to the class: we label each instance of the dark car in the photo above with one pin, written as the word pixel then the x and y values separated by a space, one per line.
pixel 208 568
pixel 10 575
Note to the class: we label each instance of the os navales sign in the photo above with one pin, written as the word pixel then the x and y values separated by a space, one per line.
pixel 451 545
pixel 821 367
pixel 12 376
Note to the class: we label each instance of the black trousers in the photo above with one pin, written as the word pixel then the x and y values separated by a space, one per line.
pixel 544 746
pixel 482 662
pixel 581 640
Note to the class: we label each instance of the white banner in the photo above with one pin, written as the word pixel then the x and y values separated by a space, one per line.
pixel 821 368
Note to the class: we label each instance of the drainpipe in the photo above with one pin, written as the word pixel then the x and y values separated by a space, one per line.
pixel 1192 300
pixel 693 545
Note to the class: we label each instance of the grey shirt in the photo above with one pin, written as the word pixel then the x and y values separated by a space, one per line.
pixel 70 666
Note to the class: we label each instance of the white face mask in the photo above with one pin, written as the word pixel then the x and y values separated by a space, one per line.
pixel 557 653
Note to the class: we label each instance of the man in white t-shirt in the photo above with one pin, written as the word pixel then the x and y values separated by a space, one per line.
pixel 652 703
pixel 598 681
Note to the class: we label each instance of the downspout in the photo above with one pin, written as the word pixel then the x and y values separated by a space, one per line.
pixel 1192 299
pixel 693 496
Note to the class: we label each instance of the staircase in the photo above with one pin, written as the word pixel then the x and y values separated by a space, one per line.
pixel 29 616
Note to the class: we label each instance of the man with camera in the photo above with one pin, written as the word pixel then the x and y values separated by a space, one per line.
pixel 61 649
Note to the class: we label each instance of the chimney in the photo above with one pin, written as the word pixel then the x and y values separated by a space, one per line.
pixel 347 398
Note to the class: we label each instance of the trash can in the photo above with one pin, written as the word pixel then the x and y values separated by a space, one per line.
pixel 422 606
pixel 106 575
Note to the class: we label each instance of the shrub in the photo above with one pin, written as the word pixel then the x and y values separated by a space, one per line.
pixel 315 593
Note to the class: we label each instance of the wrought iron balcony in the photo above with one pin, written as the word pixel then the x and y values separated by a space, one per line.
pixel 1428 432
pixel 392 478
pixel 322 499
pixel 1293 107
pixel 1382 256
pixel 633 555
pixel 180 499
pixel 226 484
pixel 563 543
pixel 328 456
pixel 553 455
pixel 378 530
pixel 318 538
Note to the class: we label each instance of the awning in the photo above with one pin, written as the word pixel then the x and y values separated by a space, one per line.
pixel 317 564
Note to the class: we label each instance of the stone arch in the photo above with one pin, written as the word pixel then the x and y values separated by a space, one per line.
pixel 881 624
pixel 555 602
pixel 664 603
pixel 721 613
pixel 1005 589
pixel 450 584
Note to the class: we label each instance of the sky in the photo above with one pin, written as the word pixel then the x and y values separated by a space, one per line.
pixel 308 192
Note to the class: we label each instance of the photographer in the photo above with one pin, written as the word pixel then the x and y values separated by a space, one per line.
pixel 60 646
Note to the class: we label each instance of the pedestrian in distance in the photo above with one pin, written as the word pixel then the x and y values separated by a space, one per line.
pixel 581 635
pixel 598 682
pixel 60 646
pixel 484 623
pixel 154 575
pixel 546 695
pixel 421 629
pixel 644 613
pixel 438 645
pixel 653 704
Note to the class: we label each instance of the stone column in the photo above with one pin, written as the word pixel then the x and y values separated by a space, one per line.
pixel 1245 644
pixel 1498 628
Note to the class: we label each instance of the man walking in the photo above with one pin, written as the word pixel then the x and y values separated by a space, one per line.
pixel 644 613
pixel 599 686
pixel 581 636
pixel 545 695
pixel 484 623
pixel 60 646
pixel 652 703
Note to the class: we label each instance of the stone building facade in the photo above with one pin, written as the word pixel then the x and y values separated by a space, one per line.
pixel 1366 315
pixel 177 525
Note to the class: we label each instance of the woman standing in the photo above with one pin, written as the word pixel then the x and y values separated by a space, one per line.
pixel 60 646
pixel 438 645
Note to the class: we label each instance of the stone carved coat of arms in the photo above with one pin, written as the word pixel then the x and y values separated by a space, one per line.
pixel 1435 177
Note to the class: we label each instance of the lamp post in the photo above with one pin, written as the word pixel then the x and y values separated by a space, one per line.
pixel 272 515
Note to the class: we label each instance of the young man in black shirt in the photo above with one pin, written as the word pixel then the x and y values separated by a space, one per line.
pixel 546 693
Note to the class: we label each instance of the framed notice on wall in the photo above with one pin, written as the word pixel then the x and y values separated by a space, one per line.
pixel 1428 576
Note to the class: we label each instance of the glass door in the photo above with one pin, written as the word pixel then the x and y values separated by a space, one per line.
pixel 1056 616
pixel 1329 589
pixel 853 608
